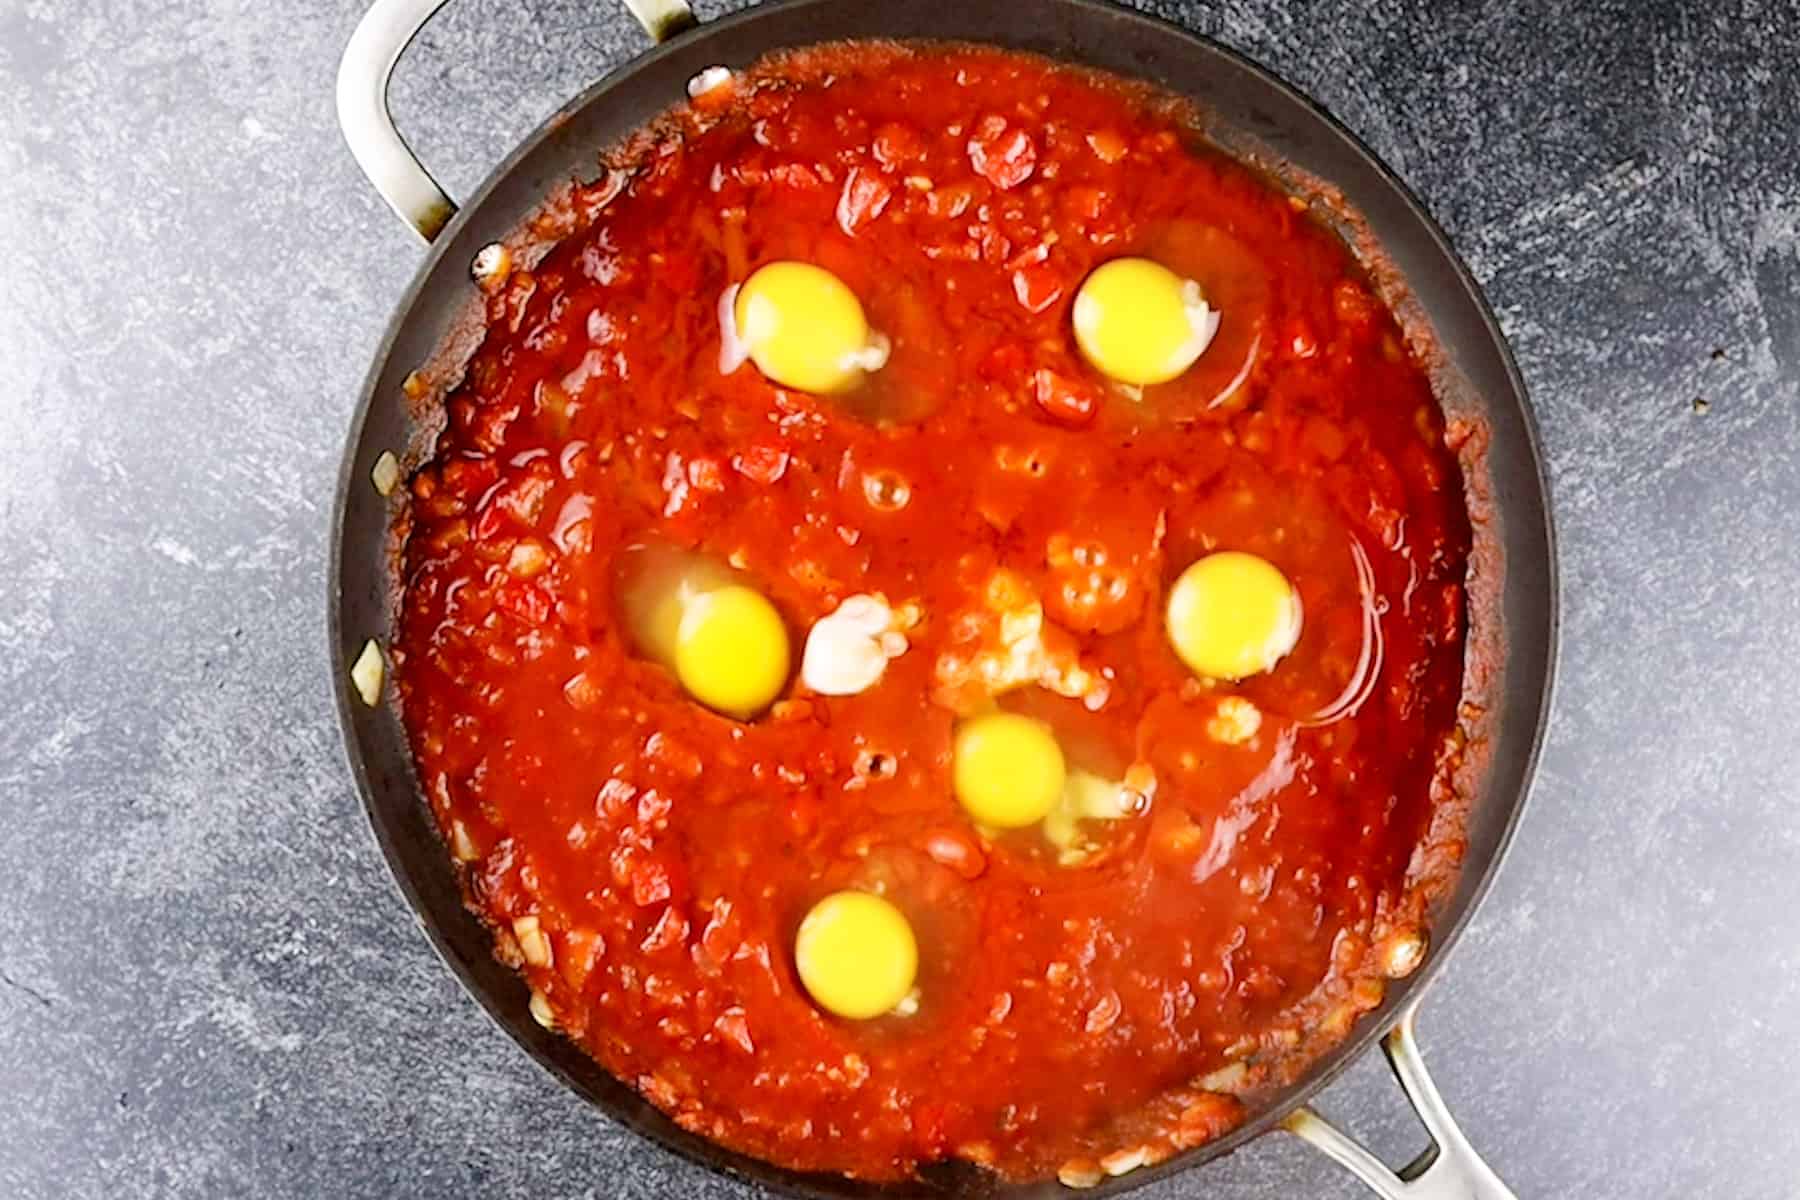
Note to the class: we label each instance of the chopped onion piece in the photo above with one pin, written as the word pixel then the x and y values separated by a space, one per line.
pixel 1079 1173
pixel 707 80
pixel 534 943
pixel 366 675
pixel 493 262
pixel 1227 1080
pixel 462 843
pixel 385 475
pixel 1402 953
pixel 1123 1162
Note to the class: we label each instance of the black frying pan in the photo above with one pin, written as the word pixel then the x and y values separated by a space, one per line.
pixel 1250 108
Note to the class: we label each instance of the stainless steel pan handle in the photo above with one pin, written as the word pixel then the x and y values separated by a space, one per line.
pixel 380 39
pixel 1448 1170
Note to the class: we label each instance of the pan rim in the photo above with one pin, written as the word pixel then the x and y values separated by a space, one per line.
pixel 1325 1069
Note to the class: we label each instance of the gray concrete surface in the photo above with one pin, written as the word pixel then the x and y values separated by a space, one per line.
pixel 208 986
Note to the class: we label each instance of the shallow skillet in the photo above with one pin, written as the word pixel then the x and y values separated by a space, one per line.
pixel 1248 107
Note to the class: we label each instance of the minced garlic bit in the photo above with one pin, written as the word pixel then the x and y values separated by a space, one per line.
pixel 367 673
pixel 848 650
pixel 1234 722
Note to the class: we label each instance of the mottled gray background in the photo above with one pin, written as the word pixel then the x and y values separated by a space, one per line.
pixel 208 985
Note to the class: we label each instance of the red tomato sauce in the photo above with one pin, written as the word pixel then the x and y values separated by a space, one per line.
pixel 646 861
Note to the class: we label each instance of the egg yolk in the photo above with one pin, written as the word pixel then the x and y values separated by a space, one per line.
pixel 731 650
pixel 1138 322
pixel 1232 615
pixel 805 329
pixel 856 955
pixel 1007 770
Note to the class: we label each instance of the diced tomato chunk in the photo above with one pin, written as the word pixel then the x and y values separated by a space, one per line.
pixel 761 463
pixel 797 176
pixel 733 1027
pixel 669 933
pixel 864 197
pixel 896 145
pixel 525 601
pixel 1064 400
pixel 705 475
pixel 1003 156
pixel 650 883
pixel 1085 203
pixel 1037 286
pixel 1107 145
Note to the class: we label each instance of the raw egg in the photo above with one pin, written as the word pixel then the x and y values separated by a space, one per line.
pixel 1138 322
pixel 722 638
pixel 856 955
pixel 1007 770
pixel 804 329
pixel 731 650
pixel 1232 615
